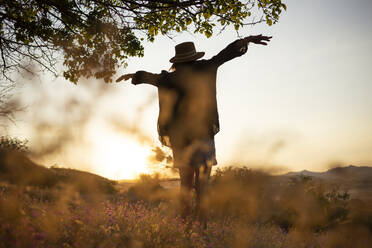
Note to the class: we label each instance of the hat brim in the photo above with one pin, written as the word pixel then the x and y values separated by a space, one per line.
pixel 193 57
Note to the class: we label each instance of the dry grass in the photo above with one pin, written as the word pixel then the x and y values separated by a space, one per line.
pixel 42 207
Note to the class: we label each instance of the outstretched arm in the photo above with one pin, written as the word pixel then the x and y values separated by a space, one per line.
pixel 125 77
pixel 141 77
pixel 238 48
pixel 258 39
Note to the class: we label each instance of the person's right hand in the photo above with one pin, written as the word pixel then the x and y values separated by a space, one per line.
pixel 125 77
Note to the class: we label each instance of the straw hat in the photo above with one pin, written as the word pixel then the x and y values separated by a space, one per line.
pixel 186 52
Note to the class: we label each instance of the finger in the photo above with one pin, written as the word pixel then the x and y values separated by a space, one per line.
pixel 259 42
pixel 124 77
pixel 262 43
pixel 119 79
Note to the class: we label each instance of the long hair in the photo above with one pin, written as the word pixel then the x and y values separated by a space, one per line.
pixel 173 67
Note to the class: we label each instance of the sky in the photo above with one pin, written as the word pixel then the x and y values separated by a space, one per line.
pixel 302 102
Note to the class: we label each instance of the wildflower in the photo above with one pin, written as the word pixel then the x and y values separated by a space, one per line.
pixel 40 236
pixel 35 212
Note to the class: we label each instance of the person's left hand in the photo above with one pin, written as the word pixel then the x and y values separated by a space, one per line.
pixel 125 77
pixel 258 39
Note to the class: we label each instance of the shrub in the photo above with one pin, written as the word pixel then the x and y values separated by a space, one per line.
pixel 8 143
pixel 296 202
pixel 147 189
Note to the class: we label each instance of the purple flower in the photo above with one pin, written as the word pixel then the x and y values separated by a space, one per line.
pixel 35 212
pixel 40 236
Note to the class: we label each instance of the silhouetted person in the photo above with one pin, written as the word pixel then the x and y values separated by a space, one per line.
pixel 188 116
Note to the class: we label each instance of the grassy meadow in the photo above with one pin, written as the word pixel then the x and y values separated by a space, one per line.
pixel 55 207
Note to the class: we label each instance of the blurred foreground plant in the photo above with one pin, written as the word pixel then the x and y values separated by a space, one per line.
pixel 247 209
pixel 13 144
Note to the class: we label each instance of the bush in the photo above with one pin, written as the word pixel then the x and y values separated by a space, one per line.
pixel 147 189
pixel 256 197
pixel 8 143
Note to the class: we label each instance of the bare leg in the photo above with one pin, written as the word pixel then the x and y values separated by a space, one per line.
pixel 201 187
pixel 187 179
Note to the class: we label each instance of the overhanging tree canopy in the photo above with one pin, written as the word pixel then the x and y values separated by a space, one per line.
pixel 96 36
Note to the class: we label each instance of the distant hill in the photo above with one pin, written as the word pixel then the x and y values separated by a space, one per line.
pixel 348 172
pixel 356 179
pixel 16 168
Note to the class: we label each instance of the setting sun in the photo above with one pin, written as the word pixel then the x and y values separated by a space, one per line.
pixel 119 157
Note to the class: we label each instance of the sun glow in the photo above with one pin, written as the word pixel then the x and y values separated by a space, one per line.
pixel 119 157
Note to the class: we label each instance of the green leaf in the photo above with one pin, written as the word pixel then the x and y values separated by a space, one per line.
pixel 99 35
